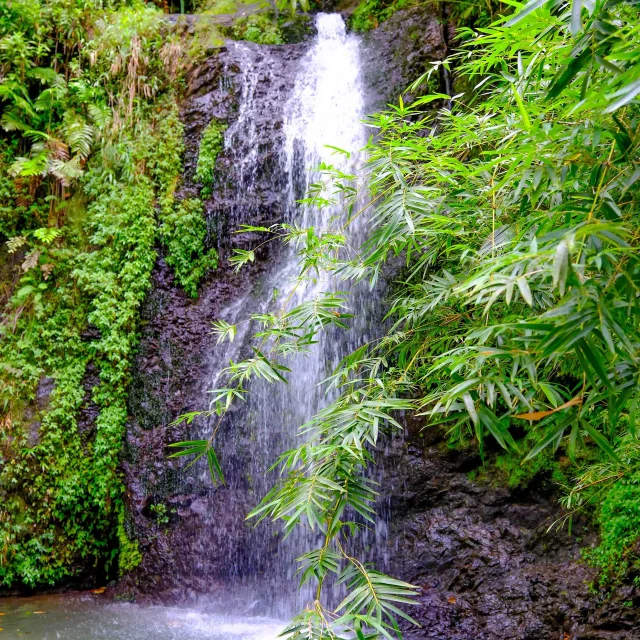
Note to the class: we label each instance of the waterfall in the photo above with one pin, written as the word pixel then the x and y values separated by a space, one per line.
pixel 324 107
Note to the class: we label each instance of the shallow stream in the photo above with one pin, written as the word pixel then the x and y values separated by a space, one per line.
pixel 87 616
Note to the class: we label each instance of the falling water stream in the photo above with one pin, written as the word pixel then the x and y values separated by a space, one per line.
pixel 325 107
pixel 259 589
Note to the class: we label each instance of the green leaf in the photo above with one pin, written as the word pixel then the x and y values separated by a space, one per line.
pixel 224 330
pixel 561 266
pixel 496 429
pixel 552 436
pixel 576 10
pixel 471 408
pixel 528 8
pixel 241 257
pixel 215 469
pixel 600 440
pixel 568 73
pixel 523 111
pixel 525 290
pixel 625 96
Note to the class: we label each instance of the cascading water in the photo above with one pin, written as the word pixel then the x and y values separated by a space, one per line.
pixel 326 107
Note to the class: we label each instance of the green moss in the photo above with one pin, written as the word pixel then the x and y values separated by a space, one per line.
pixel 548 471
pixel 211 144
pixel 258 28
pixel 183 229
pixel 129 556
pixel 232 7
pixel 10 211
pixel 76 306
pixel 618 517
pixel 70 483
pixel 161 513
pixel 474 13
pixel 509 469
pixel 206 37
pixel 297 28
pixel 369 14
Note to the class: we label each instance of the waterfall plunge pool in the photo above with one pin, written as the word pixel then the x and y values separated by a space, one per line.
pixel 91 617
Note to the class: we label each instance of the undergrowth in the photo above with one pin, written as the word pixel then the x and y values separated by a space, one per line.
pixel 184 231
pixel 259 28
pixel 211 144
pixel 90 158
pixel 370 14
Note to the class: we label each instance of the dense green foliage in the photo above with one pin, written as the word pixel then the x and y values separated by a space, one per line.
pixel 514 324
pixel 516 320
pixel 618 517
pixel 211 144
pixel 258 28
pixel 90 155
pixel 184 231
pixel 369 14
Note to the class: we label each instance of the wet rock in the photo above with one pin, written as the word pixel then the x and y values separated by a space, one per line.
pixel 43 391
pixel 399 52
pixel 33 437
pixel 485 560
pixel 178 354
pixel 89 410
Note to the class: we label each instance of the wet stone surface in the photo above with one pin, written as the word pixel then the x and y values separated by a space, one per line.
pixel 399 52
pixel 175 364
pixel 178 353
pixel 488 567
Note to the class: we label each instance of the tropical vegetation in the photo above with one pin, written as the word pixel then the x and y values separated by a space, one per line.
pixel 90 157
pixel 508 214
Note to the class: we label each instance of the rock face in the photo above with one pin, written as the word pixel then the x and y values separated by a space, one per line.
pixel 487 566
pixel 171 509
pixel 399 52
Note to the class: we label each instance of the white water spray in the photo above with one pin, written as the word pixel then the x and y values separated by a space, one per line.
pixel 325 107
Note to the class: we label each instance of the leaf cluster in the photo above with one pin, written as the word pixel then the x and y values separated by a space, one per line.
pixel 90 145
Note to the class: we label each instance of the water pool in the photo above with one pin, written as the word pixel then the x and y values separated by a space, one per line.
pixel 93 617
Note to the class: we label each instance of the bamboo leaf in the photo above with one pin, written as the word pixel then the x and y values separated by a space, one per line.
pixel 552 436
pixel 528 8
pixel 215 469
pixel 576 23
pixel 600 440
pixel 523 110
pixel 561 266
pixel 525 290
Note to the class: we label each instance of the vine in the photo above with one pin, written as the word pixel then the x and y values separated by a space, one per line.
pixel 211 144
pixel 184 232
